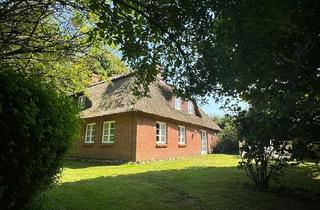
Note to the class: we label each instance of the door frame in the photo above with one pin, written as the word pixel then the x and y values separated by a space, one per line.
pixel 203 133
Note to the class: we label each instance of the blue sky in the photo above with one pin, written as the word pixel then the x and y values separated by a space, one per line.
pixel 213 108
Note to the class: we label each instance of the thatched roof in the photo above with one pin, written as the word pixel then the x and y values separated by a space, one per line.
pixel 117 97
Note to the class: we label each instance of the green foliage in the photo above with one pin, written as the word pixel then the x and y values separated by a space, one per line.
pixel 73 74
pixel 265 52
pixel 52 41
pixel 264 147
pixel 302 150
pixel 38 126
pixel 228 141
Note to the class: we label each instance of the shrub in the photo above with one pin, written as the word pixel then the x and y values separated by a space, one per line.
pixel 37 126
pixel 264 146
pixel 227 139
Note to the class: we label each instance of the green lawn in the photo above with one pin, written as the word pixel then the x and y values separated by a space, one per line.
pixel 204 182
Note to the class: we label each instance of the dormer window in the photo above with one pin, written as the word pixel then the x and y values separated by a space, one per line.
pixel 178 104
pixel 81 102
pixel 190 107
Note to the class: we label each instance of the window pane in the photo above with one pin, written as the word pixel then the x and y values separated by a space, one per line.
pixel 190 106
pixel 87 131
pixel 178 103
pixel 108 132
pixel 90 132
pixel 112 125
pixel 163 126
pixel 111 138
pixel 160 132
pixel 162 139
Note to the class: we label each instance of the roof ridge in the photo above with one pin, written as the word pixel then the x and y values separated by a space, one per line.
pixel 119 76
pixel 114 78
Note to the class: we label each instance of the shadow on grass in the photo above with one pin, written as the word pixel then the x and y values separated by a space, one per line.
pixel 190 188
pixel 86 163
pixel 312 170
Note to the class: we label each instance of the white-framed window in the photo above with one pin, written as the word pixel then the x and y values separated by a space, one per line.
pixel 90 133
pixel 81 102
pixel 190 107
pixel 178 103
pixel 161 133
pixel 108 132
pixel 182 134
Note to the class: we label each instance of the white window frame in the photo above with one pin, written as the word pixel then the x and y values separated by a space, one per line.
pixel 90 133
pixel 190 107
pixel 182 135
pixel 161 137
pixel 204 136
pixel 106 132
pixel 178 103
pixel 81 102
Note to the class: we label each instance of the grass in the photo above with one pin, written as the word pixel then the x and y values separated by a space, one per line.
pixel 204 182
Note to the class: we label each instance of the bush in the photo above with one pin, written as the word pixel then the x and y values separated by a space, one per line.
pixel 264 146
pixel 37 126
pixel 227 139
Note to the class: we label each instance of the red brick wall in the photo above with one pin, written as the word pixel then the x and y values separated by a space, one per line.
pixel 135 139
pixel 147 149
pixel 123 146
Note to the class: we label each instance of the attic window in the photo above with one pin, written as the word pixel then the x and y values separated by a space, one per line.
pixel 81 102
pixel 190 107
pixel 178 103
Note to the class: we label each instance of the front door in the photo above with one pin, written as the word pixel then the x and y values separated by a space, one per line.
pixel 203 142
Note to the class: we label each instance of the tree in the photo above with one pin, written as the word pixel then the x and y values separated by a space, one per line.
pixel 264 146
pixel 45 54
pixel 73 74
pixel 265 52
pixel 53 40
pixel 228 141
pixel 36 27
pixel 38 126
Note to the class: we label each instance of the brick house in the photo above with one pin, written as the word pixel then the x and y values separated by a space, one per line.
pixel 117 125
